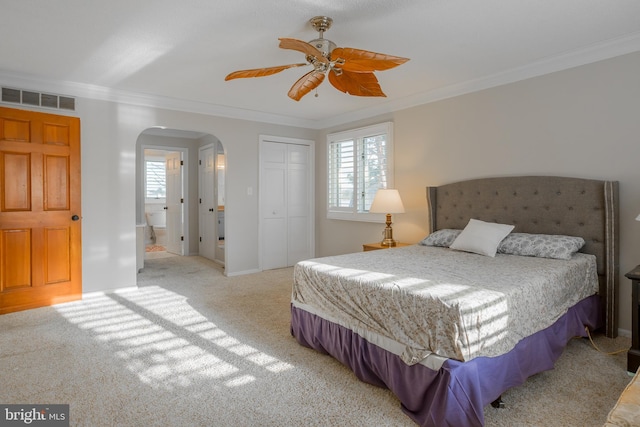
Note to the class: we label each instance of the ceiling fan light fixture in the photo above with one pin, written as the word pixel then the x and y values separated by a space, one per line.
pixel 351 71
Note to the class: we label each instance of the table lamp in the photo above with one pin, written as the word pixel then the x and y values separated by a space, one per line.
pixel 387 201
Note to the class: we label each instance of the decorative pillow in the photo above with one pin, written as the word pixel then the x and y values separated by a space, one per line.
pixel 481 237
pixel 541 245
pixel 444 238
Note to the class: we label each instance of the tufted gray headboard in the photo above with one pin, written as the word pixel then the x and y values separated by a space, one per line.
pixel 546 205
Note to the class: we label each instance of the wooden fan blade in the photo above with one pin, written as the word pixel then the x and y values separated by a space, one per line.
pixel 306 84
pixel 362 61
pixel 261 72
pixel 303 47
pixel 358 84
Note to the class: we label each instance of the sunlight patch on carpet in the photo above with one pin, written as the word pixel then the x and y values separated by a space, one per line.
pixel 166 342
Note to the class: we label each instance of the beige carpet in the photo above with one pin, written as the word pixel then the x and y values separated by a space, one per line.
pixel 191 347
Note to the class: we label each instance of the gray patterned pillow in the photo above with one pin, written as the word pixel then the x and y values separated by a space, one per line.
pixel 444 238
pixel 541 245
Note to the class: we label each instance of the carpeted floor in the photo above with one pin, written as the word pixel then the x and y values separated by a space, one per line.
pixel 191 347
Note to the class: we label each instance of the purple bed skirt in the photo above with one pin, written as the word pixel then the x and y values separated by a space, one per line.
pixel 457 393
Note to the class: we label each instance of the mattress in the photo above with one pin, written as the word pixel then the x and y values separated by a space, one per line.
pixel 427 304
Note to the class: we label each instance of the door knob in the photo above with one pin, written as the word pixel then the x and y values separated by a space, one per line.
pixel 75 218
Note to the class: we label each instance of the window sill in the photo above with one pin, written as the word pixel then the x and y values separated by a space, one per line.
pixel 361 217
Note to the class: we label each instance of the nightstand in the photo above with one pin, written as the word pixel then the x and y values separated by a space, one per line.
pixel 375 246
pixel 633 355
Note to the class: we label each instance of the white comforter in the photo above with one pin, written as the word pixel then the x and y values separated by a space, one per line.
pixel 437 300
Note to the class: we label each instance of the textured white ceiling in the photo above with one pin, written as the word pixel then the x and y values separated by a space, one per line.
pixel 177 53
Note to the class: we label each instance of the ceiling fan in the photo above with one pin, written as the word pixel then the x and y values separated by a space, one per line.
pixel 350 70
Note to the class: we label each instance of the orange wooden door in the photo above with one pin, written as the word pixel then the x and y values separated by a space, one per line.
pixel 40 233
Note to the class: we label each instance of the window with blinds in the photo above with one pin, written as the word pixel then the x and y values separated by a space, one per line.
pixel 359 163
pixel 155 179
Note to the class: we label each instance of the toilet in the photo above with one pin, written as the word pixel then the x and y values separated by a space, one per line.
pixel 158 222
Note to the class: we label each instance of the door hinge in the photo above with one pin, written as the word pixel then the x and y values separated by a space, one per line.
pixel 201 239
pixel 182 238
pixel 181 162
pixel 181 200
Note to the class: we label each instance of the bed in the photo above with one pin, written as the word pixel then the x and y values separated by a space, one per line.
pixel 374 311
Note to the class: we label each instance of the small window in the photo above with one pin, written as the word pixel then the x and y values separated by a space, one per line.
pixel 360 162
pixel 155 180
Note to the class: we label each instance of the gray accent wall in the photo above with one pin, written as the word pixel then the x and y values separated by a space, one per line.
pixel 581 122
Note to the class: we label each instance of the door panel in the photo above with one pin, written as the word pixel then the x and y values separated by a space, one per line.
pixel 17 183
pixel 274 205
pixel 174 203
pixel 57 256
pixel 14 129
pixel 56 183
pixel 40 232
pixel 298 202
pixel 208 206
pixel 16 264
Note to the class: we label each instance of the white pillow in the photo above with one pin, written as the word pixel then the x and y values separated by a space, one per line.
pixel 481 237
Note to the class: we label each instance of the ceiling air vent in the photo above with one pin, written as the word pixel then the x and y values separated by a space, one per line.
pixel 10 95
pixel 30 98
pixel 67 103
pixel 47 100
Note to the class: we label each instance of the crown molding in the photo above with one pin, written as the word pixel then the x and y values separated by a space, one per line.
pixel 102 93
pixel 587 55
pixel 596 52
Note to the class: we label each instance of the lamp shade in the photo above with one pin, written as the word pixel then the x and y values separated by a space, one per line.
pixel 387 201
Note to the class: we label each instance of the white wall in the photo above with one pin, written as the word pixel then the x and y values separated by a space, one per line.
pixel 582 122
pixel 109 134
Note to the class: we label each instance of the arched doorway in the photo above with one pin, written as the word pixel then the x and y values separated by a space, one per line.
pixel 183 221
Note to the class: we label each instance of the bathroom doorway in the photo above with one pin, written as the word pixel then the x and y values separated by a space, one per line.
pixel 163 207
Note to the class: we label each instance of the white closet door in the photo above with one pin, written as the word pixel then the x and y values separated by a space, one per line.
pixel 298 202
pixel 286 203
pixel 208 204
pixel 274 205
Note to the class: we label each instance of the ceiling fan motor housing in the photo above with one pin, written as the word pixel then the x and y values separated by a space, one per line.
pixel 323 45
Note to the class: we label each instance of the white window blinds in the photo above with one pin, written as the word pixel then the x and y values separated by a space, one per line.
pixel 359 163
pixel 155 179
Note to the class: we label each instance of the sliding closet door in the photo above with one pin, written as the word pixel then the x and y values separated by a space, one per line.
pixel 286 201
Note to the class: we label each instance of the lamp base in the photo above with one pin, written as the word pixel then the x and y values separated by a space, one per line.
pixel 389 242
pixel 388 234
